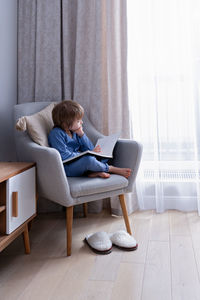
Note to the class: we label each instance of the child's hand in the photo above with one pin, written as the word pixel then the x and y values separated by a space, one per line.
pixel 79 131
pixel 97 149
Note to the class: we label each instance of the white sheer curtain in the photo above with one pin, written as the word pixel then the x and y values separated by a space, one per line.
pixel 164 95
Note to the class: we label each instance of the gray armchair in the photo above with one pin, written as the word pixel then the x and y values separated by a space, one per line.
pixel 52 182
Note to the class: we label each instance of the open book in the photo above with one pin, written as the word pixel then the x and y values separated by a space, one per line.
pixel 107 144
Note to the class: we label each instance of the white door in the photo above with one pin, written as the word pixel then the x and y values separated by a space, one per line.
pixel 22 185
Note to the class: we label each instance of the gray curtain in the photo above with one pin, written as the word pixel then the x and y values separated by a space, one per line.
pixel 76 50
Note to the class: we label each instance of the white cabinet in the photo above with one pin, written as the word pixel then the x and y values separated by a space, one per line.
pixel 20 199
pixel 17 201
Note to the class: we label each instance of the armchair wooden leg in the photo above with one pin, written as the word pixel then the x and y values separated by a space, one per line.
pixel 85 209
pixel 69 221
pixel 125 214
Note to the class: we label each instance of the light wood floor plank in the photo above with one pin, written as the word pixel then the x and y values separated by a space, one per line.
pixel 31 265
pixel 143 214
pixel 185 281
pixel 72 284
pixel 91 224
pixel 157 275
pixel 97 290
pixel 42 226
pixel 106 266
pixel 178 223
pixel 20 278
pixel 128 284
pixel 142 229
pixel 160 227
pixel 194 225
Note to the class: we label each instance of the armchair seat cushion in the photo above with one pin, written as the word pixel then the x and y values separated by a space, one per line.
pixel 83 186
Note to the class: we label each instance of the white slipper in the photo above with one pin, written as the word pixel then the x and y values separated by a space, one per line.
pixel 99 242
pixel 123 240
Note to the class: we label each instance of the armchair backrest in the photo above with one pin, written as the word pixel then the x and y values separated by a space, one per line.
pixel 27 150
pixel 31 108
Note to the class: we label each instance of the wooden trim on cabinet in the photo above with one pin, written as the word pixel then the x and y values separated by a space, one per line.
pixel 10 169
pixel 5 240
pixel 15 204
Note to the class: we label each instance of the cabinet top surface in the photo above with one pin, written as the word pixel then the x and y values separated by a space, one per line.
pixel 10 169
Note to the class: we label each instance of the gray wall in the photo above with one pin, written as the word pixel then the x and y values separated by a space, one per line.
pixel 8 76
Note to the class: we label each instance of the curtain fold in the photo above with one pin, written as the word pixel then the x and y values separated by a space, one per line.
pixel 39 55
pixel 77 50
pixel 26 50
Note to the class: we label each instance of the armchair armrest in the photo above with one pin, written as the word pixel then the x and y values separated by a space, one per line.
pixel 51 176
pixel 127 154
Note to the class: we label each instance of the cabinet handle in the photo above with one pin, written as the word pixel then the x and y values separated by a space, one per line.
pixel 15 204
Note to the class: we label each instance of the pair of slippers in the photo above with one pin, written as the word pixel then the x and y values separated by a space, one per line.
pixel 102 242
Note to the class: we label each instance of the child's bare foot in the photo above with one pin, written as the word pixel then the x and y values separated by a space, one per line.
pixel 99 174
pixel 126 172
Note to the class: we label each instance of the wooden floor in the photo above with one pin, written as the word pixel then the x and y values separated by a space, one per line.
pixel 165 266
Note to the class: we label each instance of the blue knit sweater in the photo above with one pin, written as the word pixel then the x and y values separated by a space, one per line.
pixel 68 147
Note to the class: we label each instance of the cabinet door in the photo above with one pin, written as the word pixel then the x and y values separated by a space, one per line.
pixel 20 197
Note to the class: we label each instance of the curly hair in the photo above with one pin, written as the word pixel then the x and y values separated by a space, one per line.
pixel 66 112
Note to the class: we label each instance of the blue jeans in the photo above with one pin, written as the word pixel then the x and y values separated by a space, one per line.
pixel 84 164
